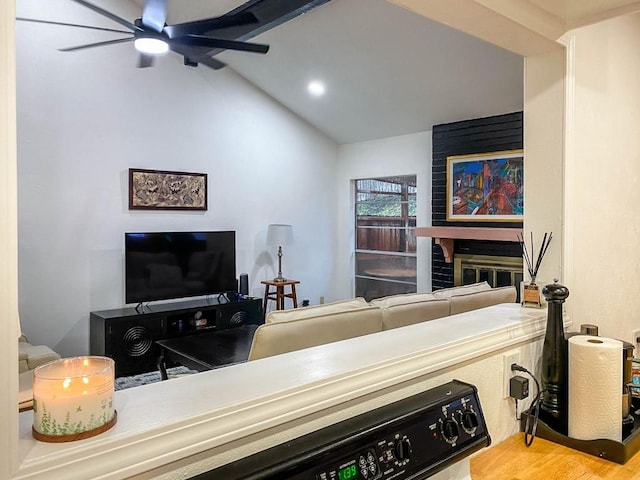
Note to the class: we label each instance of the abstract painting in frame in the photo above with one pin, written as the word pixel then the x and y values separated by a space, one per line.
pixel 162 190
pixel 486 187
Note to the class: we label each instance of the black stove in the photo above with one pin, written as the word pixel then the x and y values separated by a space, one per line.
pixel 413 438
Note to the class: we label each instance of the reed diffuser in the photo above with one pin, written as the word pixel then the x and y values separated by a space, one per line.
pixel 531 292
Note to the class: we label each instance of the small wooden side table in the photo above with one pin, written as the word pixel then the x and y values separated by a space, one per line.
pixel 278 293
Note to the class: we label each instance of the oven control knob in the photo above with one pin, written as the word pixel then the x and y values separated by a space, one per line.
pixel 469 421
pixel 402 449
pixel 450 431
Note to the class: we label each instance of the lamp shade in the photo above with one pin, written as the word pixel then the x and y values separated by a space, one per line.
pixel 279 234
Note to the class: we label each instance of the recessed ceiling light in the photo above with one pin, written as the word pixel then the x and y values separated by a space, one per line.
pixel 316 88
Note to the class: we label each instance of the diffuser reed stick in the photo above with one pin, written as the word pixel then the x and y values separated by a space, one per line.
pixel 528 255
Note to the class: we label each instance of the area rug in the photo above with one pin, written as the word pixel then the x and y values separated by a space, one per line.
pixel 150 377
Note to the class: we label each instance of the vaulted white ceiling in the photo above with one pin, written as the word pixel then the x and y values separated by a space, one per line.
pixel 389 71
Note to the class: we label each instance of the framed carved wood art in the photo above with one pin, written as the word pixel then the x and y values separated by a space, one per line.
pixel 163 190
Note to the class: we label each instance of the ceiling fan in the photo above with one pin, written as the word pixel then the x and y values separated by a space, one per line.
pixel 193 40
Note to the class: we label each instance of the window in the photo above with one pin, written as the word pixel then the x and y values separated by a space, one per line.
pixel 385 223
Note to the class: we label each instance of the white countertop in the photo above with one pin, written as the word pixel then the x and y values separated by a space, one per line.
pixel 168 421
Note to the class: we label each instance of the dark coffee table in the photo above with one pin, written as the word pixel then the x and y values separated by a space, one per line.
pixel 206 351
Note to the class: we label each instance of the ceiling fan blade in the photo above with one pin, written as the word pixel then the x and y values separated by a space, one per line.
pixel 145 60
pixel 210 24
pixel 209 62
pixel 71 25
pixel 154 14
pixel 105 13
pixel 194 55
pixel 98 44
pixel 271 13
pixel 218 43
pixel 212 63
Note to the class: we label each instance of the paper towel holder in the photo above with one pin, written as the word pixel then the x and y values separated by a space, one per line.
pixel 552 422
pixel 615 451
pixel 618 452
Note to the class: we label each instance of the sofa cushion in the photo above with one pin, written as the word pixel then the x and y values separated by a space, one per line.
pixel 462 290
pixel 23 366
pixel 276 316
pixel 36 354
pixel 23 356
pixel 473 301
pixel 288 335
pixel 402 299
pixel 407 309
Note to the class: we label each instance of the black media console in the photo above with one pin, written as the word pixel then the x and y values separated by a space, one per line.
pixel 129 335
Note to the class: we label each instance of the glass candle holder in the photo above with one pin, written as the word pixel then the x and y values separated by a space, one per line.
pixel 73 398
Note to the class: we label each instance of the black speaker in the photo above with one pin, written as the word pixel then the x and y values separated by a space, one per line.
pixel 129 341
pixel 238 314
pixel 129 336
pixel 244 284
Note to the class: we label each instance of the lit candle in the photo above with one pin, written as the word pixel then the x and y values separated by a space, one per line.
pixel 73 396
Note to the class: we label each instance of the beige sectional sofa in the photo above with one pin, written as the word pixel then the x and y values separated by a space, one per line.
pixel 295 329
pixel 30 357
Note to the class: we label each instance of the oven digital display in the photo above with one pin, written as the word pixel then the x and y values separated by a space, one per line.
pixel 348 473
pixel 361 467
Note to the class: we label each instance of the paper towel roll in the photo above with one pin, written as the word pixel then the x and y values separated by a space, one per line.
pixel 595 388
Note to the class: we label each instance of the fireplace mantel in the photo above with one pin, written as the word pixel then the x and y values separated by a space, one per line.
pixel 444 236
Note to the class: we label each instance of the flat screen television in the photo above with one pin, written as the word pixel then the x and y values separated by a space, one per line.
pixel 169 265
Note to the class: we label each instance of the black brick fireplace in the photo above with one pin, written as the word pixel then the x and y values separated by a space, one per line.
pixel 481 135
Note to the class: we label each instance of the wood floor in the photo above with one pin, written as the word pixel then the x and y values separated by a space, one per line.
pixel 544 460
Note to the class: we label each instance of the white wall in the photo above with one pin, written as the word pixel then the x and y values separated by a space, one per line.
pixel 403 155
pixel 603 175
pixel 85 117
pixel 544 150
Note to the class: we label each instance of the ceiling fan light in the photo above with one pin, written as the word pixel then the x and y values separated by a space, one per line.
pixel 151 45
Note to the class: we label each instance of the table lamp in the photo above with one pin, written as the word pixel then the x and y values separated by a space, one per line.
pixel 279 234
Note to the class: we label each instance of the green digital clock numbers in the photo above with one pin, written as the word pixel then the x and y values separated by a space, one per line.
pixel 348 473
